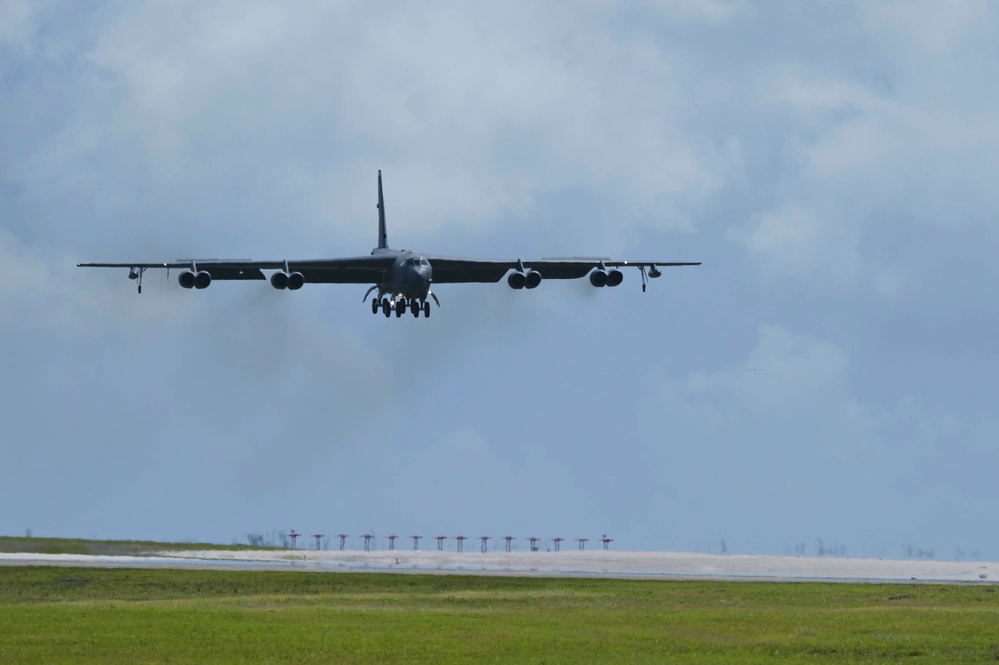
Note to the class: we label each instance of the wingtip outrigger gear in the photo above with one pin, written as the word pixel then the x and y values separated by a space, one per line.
pixel 653 273
pixel 136 274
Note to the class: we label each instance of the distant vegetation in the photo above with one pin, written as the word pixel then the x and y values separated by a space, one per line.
pixel 282 540
pixel 102 547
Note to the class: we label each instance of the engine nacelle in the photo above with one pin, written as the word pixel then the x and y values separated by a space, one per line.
pixel 598 277
pixel 187 279
pixel 203 279
pixel 279 280
pixel 532 279
pixel 614 277
pixel 295 281
pixel 517 280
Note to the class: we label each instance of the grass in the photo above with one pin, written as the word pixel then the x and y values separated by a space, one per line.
pixel 105 547
pixel 88 615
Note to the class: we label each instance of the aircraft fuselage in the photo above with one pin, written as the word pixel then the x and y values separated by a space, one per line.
pixel 409 277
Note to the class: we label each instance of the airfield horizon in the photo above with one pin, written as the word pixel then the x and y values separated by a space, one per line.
pixel 565 563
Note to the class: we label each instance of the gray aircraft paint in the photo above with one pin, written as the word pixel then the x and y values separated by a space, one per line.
pixel 402 278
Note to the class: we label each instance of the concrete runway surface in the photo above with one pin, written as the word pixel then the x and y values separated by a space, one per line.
pixel 568 563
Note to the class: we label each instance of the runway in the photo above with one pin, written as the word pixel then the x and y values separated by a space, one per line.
pixel 594 564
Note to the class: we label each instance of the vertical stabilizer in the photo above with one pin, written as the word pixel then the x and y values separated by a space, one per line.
pixel 382 235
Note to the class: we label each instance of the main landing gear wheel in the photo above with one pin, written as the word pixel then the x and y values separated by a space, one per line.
pixel 426 308
pixel 414 307
pixel 386 307
pixel 374 306
pixel 400 307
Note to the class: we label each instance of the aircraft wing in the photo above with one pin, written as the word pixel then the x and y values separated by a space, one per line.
pixel 372 269
pixel 350 270
pixel 216 268
pixel 448 270
pixel 353 270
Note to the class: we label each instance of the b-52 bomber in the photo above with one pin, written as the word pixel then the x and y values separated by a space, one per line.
pixel 402 278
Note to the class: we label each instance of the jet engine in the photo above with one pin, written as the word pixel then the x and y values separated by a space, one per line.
pixel 517 280
pixel 598 277
pixel 187 279
pixel 295 281
pixel 532 279
pixel 202 279
pixel 279 280
pixel 614 277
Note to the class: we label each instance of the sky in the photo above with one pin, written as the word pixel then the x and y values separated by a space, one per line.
pixel 826 380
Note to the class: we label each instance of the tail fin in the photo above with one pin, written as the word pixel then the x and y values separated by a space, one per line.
pixel 382 235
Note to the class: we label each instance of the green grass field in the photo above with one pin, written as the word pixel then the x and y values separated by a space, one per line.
pixel 91 615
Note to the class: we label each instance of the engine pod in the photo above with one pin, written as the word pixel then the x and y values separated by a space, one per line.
pixel 186 279
pixel 279 280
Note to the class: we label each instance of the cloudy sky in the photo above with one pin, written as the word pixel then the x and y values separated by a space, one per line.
pixel 829 373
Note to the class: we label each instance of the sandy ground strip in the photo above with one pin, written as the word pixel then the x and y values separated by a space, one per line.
pixel 598 563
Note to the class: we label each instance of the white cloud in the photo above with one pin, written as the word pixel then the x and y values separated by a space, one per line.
pixel 792 243
pixel 782 439
pixel 472 114
pixel 935 26
pixel 783 372
pixel 18 24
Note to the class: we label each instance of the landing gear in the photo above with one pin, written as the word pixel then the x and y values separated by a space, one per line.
pixel 399 304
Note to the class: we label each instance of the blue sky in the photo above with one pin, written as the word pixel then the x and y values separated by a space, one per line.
pixel 828 373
